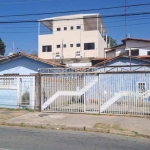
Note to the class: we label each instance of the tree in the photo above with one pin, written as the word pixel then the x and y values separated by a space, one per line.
pixel 110 41
pixel 2 47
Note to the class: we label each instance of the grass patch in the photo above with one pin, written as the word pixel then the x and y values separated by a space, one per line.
pixel 136 133
pixel 63 127
pixel 22 124
pixel 108 126
pixel 29 110
pixel 84 128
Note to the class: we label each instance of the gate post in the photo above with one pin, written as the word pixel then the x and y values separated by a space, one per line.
pixel 41 91
pixel 37 92
pixel 84 95
pixel 19 90
pixel 99 101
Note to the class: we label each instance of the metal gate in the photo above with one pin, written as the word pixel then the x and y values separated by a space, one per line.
pixel 101 93
pixel 17 91
pixel 70 93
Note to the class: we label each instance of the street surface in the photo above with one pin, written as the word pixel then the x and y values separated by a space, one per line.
pixel 12 138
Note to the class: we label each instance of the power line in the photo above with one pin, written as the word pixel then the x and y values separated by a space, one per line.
pixel 83 10
pixel 105 16
pixel 6 3
pixel 106 27
pixel 131 19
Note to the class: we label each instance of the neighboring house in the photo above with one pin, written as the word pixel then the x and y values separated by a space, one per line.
pixel 123 63
pixel 24 64
pixel 75 36
pixel 137 47
pixel 120 89
pixel 19 80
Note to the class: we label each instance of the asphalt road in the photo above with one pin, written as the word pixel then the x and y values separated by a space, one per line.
pixel 41 139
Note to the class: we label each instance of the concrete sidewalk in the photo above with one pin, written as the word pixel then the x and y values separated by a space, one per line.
pixel 134 126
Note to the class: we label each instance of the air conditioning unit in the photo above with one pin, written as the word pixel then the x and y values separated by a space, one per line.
pixel 78 54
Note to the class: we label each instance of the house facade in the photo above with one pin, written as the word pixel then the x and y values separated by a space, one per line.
pixel 20 82
pixel 129 46
pixel 73 36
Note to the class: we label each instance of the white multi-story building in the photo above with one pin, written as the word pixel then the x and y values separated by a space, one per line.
pixel 73 36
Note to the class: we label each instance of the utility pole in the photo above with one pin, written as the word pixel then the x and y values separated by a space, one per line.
pixel 62 53
pixel 125 18
pixel 13 48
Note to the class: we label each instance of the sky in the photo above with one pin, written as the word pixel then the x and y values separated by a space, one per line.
pixel 25 35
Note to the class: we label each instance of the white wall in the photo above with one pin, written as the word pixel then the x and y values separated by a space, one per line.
pixel 143 47
pixel 68 37
pixel 143 52
pixel 72 37
pixel 111 54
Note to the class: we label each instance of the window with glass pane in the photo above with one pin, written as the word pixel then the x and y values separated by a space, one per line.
pixel 89 46
pixel 47 48
pixel 148 53
pixel 58 29
pixel 65 28
pixel 58 46
pixel 78 27
pixel 78 45
pixel 141 87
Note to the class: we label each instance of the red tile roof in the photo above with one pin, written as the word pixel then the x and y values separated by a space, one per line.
pixel 19 54
pixel 133 57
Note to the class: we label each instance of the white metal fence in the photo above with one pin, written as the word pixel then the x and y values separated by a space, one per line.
pixel 111 93
pixel 17 91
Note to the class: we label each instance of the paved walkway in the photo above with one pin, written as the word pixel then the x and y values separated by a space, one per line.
pixel 140 125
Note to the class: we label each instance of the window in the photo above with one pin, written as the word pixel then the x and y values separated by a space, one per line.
pixel 58 46
pixel 148 53
pixel 71 45
pixel 89 46
pixel 134 52
pixel 141 87
pixel 65 28
pixel 47 48
pixel 58 29
pixel 71 28
pixel 78 45
pixel 64 46
pixel 78 27
pixel 5 81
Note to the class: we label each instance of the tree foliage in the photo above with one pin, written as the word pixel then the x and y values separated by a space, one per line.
pixel 2 47
pixel 111 41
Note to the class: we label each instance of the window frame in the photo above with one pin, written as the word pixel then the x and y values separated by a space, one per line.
pixel 133 50
pixel 91 47
pixel 78 27
pixel 48 48
pixel 58 29
pixel 71 45
pixel 141 90
pixel 64 45
pixel 148 52
pixel 58 46
pixel 78 45
pixel 65 28
pixel 71 28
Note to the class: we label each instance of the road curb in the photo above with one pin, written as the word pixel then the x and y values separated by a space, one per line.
pixel 85 129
